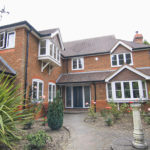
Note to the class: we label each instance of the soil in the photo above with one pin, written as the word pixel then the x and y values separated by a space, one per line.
pixel 59 137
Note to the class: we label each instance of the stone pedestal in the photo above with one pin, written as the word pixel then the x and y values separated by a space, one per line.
pixel 138 135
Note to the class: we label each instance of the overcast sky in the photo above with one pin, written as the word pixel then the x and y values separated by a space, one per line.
pixel 81 19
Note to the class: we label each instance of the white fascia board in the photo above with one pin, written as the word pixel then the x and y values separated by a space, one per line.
pixel 60 38
pixel 121 43
pixel 129 68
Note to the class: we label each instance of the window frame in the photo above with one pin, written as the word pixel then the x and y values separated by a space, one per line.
pixel 124 59
pixel 53 94
pixel 82 62
pixel 8 39
pixel 123 99
pixel 3 33
pixel 37 96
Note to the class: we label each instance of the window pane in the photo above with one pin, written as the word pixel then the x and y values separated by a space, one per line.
pixel 2 39
pixel 54 91
pixel 109 90
pixel 114 60
pixel 74 63
pixel 128 58
pixel 68 96
pixel 87 96
pixel 11 39
pixel 144 89
pixel 43 47
pixel 50 92
pixel 55 52
pixel 135 87
pixel 40 90
pixel 35 90
pixel 127 90
pixel 80 60
pixel 118 90
pixel 121 59
pixel 51 50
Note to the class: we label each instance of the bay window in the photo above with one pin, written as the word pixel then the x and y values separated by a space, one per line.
pixel 37 89
pixel 43 47
pixel 127 90
pixel 51 91
pixel 77 63
pixel 120 59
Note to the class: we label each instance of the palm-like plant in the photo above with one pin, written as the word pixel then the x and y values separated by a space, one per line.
pixel 10 100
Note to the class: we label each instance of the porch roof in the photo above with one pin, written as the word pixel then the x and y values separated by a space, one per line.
pixel 83 77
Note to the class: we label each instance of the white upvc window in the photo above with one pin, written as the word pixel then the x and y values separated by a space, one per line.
pixel 120 59
pixel 127 90
pixel 43 47
pixel 78 63
pixel 51 91
pixel 10 40
pixel 37 89
pixel 2 40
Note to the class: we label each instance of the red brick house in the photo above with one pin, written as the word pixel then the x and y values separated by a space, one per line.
pixel 97 69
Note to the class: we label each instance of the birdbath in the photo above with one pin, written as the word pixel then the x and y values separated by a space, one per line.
pixel 138 135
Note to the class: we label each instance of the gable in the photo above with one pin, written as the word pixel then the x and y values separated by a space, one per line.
pixel 126 75
pixel 121 49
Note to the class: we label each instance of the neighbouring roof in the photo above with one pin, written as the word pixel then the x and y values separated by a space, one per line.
pixel 96 76
pixel 97 45
pixel 4 67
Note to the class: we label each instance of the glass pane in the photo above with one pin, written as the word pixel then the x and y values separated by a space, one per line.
pixel 114 60
pixel 54 52
pixel 118 90
pixel 34 90
pixel 128 58
pixel 2 40
pixel 50 92
pixel 121 59
pixel 80 63
pixel 68 96
pixel 11 40
pixel 74 63
pixel 54 91
pixel 43 47
pixel 126 90
pixel 57 55
pixel 135 87
pixel 109 90
pixel 87 96
pixel 51 49
pixel 40 90
pixel 144 89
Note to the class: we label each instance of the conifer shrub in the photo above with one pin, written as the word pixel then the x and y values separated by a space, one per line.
pixel 55 113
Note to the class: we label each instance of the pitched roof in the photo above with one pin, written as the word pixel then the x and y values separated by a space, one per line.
pixel 83 77
pixel 4 67
pixel 96 46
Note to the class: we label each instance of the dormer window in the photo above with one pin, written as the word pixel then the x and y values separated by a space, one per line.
pixel 120 59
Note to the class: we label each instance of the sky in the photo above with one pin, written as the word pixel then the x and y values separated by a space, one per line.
pixel 82 19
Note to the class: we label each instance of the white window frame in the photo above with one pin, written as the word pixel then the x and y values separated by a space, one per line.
pixel 53 94
pixel 7 46
pixel 38 81
pixel 123 99
pixel 82 61
pixel 124 57
pixel 3 33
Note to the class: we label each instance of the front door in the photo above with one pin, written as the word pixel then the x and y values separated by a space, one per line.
pixel 77 97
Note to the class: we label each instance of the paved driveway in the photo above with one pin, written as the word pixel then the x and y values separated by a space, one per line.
pixel 87 137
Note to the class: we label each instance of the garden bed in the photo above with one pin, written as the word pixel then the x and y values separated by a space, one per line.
pixel 59 137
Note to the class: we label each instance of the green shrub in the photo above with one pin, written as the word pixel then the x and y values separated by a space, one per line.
pixel 10 101
pixel 37 140
pixel 55 113
pixel 91 112
pixel 109 121
pixel 147 119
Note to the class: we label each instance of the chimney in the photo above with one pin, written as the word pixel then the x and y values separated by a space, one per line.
pixel 138 38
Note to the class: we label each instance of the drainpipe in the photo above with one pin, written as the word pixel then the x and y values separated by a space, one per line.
pixel 94 96
pixel 26 69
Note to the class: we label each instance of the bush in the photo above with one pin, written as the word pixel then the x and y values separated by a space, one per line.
pixel 10 101
pixel 109 121
pixel 37 140
pixel 55 113
pixel 91 112
pixel 147 119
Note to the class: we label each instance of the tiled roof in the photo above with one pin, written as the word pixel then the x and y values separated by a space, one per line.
pixel 96 45
pixel 4 67
pixel 83 77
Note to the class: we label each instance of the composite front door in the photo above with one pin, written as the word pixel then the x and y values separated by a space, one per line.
pixel 77 97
